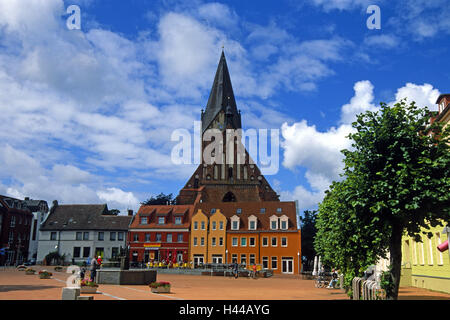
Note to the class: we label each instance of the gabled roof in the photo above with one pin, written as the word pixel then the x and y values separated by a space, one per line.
pixel 163 210
pixel 84 217
pixel 228 209
pixel 221 97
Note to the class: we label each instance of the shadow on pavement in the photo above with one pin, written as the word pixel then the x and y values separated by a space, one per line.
pixel 24 287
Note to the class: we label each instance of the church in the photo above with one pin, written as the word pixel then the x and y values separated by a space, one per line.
pixel 227 211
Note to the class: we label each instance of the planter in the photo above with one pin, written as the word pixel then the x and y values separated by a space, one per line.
pixel 88 289
pixel 162 289
pixel 41 276
pixel 30 272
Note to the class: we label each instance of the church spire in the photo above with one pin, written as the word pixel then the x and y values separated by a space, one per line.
pixel 221 98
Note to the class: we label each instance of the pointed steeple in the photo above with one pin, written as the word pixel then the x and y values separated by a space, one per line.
pixel 221 98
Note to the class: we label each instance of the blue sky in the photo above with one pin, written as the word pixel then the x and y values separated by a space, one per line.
pixel 88 114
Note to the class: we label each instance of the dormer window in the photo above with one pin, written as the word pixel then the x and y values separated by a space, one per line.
pixel 238 210
pixel 144 220
pixel 279 210
pixel 273 222
pixel 252 223
pixel 177 220
pixel 235 225
pixel 213 210
pixel 262 210
pixel 161 220
pixel 284 222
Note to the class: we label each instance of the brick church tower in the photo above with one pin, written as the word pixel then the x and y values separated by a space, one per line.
pixel 226 172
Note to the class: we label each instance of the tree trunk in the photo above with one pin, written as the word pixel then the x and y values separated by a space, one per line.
pixel 395 248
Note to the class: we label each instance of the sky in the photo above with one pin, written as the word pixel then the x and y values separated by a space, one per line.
pixel 87 115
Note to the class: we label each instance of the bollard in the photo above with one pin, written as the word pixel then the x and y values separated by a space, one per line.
pixel 70 293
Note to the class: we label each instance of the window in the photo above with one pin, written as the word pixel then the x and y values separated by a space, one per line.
pixel 234 242
pixel 252 225
pixel 161 220
pixel 147 237
pixel 114 252
pixel 85 235
pixel 284 242
pixel 440 260
pixel 180 237
pixel 221 241
pixel 53 236
pixel 262 210
pixel 243 242
pixel 177 220
pixel 283 224
pixel 11 238
pixel 86 252
pixel 213 210
pixel 202 241
pixel 273 224
pixel 13 222
pixel 239 210
pixel 213 241
pixel 195 225
pixel 195 241
pixel 169 237
pixel 214 225
pixel 158 237
pixel 101 236
pixel 279 210
pixel 251 242
pixel 265 242
pixel 79 235
pixel 265 262
pixel 203 225
pixel 274 241
pixel 76 252
pixel 235 225
pixel 135 237
pixel 144 220
pixel 234 258
pixel 243 259
pixel 274 263
pixel 430 250
pixel 120 236
pixel 252 259
pixel 220 225
pixel 112 236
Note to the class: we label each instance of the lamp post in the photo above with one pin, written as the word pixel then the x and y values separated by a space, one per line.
pixel 226 256
pixel 298 260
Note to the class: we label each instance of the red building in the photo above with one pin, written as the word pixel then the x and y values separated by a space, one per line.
pixel 160 233
pixel 15 226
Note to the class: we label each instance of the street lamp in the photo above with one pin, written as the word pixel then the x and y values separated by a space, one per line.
pixel 298 257
pixel 226 256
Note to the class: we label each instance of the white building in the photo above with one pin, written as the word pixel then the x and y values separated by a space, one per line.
pixel 39 209
pixel 82 231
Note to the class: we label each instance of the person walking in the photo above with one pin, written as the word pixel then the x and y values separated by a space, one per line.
pixel 94 266
pixel 254 271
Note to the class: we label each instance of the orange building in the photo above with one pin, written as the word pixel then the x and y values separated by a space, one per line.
pixel 261 233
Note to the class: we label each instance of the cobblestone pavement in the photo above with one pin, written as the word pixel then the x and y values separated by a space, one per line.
pixel 16 285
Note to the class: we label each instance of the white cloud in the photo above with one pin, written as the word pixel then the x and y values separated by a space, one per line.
pixel 319 152
pixel 343 4
pixel 385 41
pixel 118 198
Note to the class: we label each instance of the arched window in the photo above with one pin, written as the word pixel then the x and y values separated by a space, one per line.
pixel 229 197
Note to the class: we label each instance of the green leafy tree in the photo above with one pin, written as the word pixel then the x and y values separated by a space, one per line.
pixel 160 199
pixel 309 230
pixel 396 181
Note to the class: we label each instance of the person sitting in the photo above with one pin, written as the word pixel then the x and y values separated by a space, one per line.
pixel 334 279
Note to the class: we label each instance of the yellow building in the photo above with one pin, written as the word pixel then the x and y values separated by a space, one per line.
pixel 217 237
pixel 423 265
pixel 198 244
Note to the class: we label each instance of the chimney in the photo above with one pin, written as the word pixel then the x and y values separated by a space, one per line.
pixel 130 212
pixel 27 198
